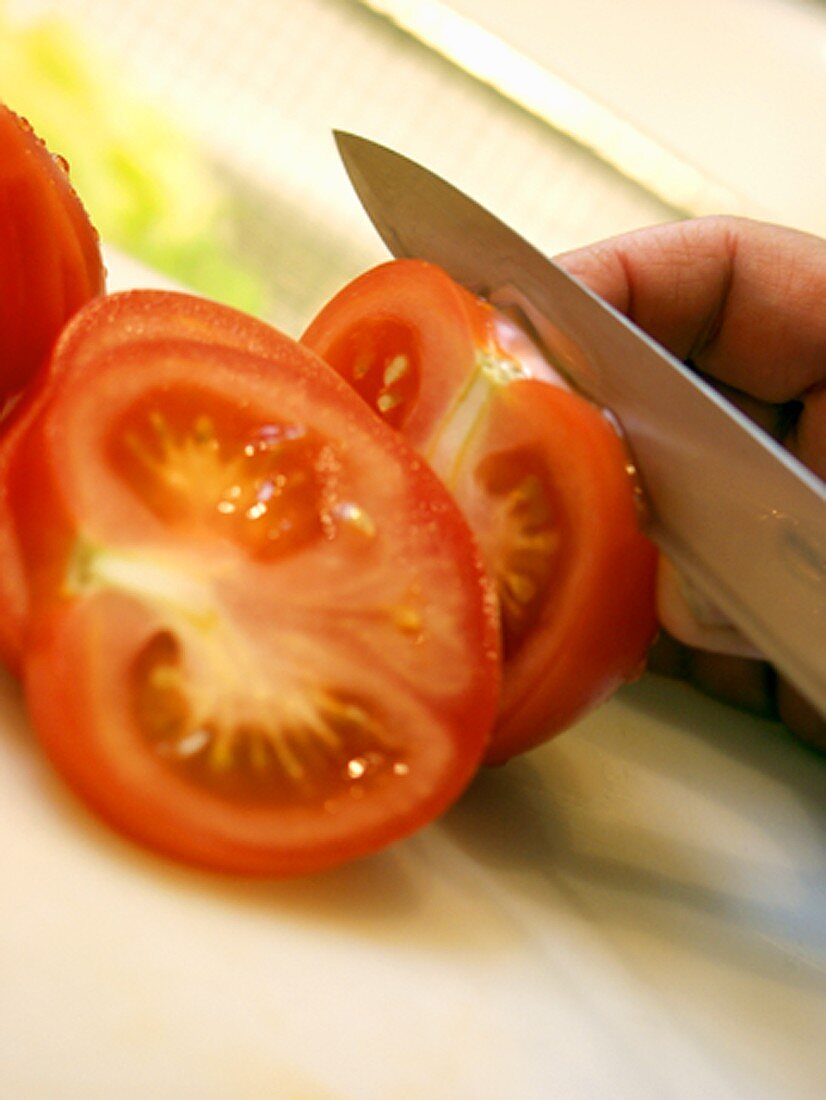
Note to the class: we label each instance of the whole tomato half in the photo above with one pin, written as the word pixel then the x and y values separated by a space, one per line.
pixel 259 635
pixel 50 261
pixel 540 473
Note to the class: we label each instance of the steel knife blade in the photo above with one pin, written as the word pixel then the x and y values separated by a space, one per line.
pixel 738 515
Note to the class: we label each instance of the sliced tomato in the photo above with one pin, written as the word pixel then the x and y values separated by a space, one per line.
pixel 50 261
pixel 105 324
pixel 410 340
pixel 540 473
pixel 260 638
pixel 544 484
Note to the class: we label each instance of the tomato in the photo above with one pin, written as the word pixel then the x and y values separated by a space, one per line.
pixel 105 324
pixel 544 484
pixel 50 261
pixel 540 473
pixel 410 340
pixel 260 638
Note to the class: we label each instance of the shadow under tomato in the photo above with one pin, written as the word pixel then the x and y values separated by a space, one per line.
pixel 13 721
pixel 404 895
pixel 415 892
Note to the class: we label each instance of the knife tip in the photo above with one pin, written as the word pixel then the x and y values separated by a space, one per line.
pixel 346 141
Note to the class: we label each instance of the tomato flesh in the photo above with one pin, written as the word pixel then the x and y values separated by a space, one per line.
pixel 547 491
pixel 259 636
pixel 380 360
pixel 540 474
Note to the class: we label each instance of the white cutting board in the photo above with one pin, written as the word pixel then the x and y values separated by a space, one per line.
pixel 637 909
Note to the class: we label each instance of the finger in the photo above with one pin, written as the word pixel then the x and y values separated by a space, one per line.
pixel 747 684
pixel 807 439
pixel 800 716
pixel 742 300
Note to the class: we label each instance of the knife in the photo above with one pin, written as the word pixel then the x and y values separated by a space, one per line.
pixel 741 518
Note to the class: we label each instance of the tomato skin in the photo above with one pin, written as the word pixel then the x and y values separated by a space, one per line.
pixel 50 265
pixel 50 262
pixel 70 490
pixel 140 316
pixel 103 325
pixel 482 411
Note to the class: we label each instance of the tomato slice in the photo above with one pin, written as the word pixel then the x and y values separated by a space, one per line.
pixel 540 473
pixel 544 484
pixel 105 324
pixel 260 637
pixel 410 340
pixel 50 261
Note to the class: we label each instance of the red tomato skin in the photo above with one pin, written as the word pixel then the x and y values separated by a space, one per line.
pixel 70 682
pixel 50 261
pixel 103 325
pixel 50 265
pixel 141 316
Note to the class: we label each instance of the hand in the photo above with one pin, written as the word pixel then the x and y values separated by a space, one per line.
pixel 743 302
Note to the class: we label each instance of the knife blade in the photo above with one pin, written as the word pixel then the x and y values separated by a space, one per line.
pixel 741 518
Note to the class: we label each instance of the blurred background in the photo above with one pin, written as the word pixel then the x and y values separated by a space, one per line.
pixel 199 131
